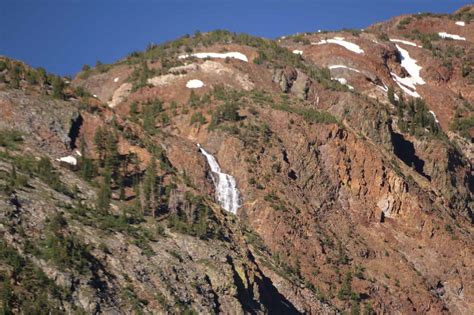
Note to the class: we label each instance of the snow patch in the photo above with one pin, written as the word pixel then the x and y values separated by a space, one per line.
pixel 297 52
pixel 340 41
pixel 384 88
pixel 116 79
pixel 343 81
pixel 394 40
pixel 451 36
pixel 461 23
pixel 227 193
pixel 408 84
pixel 68 159
pixel 342 66
pixel 411 66
pixel 207 66
pixel 404 83
pixel 434 116
pixel 235 55
pixel 194 84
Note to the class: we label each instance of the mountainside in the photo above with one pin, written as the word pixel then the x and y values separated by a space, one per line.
pixel 317 173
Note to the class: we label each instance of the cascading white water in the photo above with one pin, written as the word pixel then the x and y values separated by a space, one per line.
pixel 227 193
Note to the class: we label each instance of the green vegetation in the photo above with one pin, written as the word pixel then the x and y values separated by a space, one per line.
pixel 106 143
pixel 270 53
pixel 10 139
pixel 105 192
pixel 404 22
pixel 30 166
pixel 225 112
pixel 353 31
pixel 391 95
pixel 102 68
pixel 12 181
pixel 140 75
pixel 346 293
pixel 25 286
pixel 151 189
pixel 58 86
pixel 463 14
pixel 87 168
pixel 383 37
pixel 309 114
pixel 300 39
pixel 463 125
pixel 148 113
pixel 14 73
pixel 415 118
pixel 425 38
pixel 275 202
pixel 197 118
pixel 199 222
pixel 82 92
pixel 65 251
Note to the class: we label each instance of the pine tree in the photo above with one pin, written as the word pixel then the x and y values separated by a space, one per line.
pixel 133 111
pixel 391 95
pixel 58 86
pixel 44 168
pixel 6 296
pixel 112 156
pixel 149 120
pixel 13 175
pixel 99 142
pixel 87 168
pixel 149 187
pixel 86 165
pixel 41 76
pixel 345 293
pixel 15 77
pixel 193 99
pixel 105 192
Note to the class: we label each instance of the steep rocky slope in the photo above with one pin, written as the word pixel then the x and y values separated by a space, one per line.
pixel 351 152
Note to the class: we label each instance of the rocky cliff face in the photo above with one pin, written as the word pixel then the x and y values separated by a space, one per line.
pixel 351 153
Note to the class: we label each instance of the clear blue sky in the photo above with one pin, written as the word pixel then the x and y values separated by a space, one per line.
pixel 62 35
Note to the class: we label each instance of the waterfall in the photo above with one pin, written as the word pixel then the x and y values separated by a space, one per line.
pixel 226 189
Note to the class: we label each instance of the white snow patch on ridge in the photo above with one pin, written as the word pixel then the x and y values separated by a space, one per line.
pixel 343 81
pixel 68 159
pixel 434 116
pixel 235 55
pixel 394 40
pixel 227 193
pixel 461 23
pixel 404 83
pixel 116 79
pixel 451 36
pixel 342 66
pixel 411 66
pixel 194 84
pixel 408 84
pixel 340 41
pixel 297 52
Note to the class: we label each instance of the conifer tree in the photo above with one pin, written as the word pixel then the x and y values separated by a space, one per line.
pixel 104 194
pixel 149 120
pixel 58 86
pixel 112 156
pixel 150 187
pixel 99 142
pixel 391 95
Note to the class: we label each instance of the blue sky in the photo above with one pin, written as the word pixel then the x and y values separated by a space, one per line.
pixel 62 35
